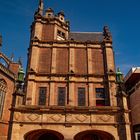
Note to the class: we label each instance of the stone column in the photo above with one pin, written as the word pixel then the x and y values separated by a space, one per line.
pixel 31 93
pixel 91 97
pixel 110 70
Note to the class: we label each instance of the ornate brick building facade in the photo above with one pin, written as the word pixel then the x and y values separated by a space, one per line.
pixel 132 83
pixel 8 75
pixel 70 87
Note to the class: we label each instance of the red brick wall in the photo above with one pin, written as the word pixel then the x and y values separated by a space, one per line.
pixel 14 67
pixel 48 32
pixel 62 60
pixel 44 64
pixel 80 61
pixel 97 61
pixel 7 105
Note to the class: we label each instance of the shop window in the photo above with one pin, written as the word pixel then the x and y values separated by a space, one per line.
pixel 42 95
pixel 61 96
pixel 81 97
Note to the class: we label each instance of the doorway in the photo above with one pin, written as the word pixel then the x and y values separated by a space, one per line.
pixel 93 135
pixel 43 135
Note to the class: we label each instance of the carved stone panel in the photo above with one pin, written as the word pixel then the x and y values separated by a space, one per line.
pixel 102 118
pixel 32 117
pixel 56 118
pixel 77 118
pixel 17 116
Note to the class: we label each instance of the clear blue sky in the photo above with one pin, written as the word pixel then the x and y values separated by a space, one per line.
pixel 122 16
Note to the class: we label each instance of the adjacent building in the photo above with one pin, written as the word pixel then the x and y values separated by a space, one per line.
pixel 132 83
pixel 8 75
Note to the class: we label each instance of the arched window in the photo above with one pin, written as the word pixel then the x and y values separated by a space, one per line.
pixel 2 95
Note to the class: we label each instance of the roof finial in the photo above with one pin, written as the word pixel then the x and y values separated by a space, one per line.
pixel 107 34
pixel 39 11
pixel 20 61
pixel 12 56
pixel 40 7
pixel 0 42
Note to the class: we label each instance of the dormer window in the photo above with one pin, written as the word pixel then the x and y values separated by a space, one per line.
pixel 59 32
pixel 63 34
pixel 60 35
pixel 49 15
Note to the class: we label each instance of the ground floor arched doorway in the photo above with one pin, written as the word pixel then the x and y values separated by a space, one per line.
pixel 43 135
pixel 93 135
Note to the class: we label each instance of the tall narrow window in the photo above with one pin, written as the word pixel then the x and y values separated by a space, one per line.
pixel 1 102
pixel 2 95
pixel 61 96
pixel 100 97
pixel 42 96
pixel 81 97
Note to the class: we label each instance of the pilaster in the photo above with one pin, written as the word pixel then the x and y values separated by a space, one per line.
pixel 72 99
pixel 72 59
pixel 38 30
pixel 34 58
pixel 53 67
pixel 31 96
pixel 52 94
pixel 90 65
pixel 92 96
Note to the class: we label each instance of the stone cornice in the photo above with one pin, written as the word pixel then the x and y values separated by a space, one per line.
pixel 66 75
pixel 66 42
pixel 66 109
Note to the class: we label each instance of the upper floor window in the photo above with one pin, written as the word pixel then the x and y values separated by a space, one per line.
pixel 3 62
pixel 100 96
pixel 1 102
pixel 81 96
pixel 42 96
pixel 2 95
pixel 61 96
pixel 61 34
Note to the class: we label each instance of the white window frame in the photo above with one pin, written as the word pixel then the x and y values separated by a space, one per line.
pixel 136 135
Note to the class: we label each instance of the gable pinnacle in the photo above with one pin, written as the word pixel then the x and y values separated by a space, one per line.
pixel 40 7
pixel 0 40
